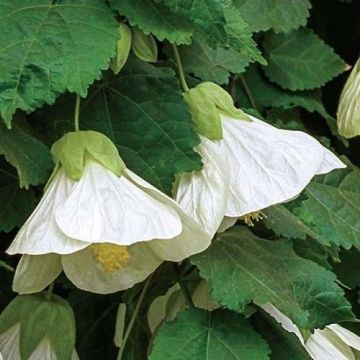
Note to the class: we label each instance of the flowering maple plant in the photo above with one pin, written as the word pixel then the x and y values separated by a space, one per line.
pixel 179 179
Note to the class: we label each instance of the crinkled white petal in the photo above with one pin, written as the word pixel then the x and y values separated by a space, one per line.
pixel 192 240
pixel 43 351
pixel 35 272
pixel 203 194
pixel 105 208
pixel 86 273
pixel 269 165
pixel 326 345
pixel 283 320
pixel 10 343
pixel 330 163
pixel 40 234
pixel 346 336
pixel 226 223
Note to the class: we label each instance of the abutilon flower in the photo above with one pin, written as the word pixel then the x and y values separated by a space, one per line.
pixel 348 113
pixel 248 164
pixel 10 347
pixel 334 342
pixel 100 223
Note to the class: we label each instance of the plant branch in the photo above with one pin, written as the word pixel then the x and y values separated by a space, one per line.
pixel 133 318
pixel 180 68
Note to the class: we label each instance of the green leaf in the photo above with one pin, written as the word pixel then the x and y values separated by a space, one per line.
pixel 348 268
pixel 266 94
pixel 240 36
pixel 17 204
pixel 284 223
pixel 144 114
pixel 300 60
pixel 212 64
pixel 40 317
pixel 207 15
pixel 48 48
pixel 155 18
pixel 198 335
pixel 281 16
pixel 332 207
pixel 241 267
pixel 26 153
pixel 284 345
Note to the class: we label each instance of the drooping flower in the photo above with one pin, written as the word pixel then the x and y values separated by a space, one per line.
pixel 348 113
pixel 334 342
pixel 37 327
pixel 99 222
pixel 248 164
pixel 10 347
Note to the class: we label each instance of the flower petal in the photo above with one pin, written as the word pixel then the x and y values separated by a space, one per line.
pixel 269 165
pixel 325 345
pixel 346 336
pixel 105 208
pixel 226 223
pixel 282 319
pixel 192 240
pixel 87 274
pixel 43 351
pixel 40 234
pixel 35 272
pixel 203 194
pixel 10 343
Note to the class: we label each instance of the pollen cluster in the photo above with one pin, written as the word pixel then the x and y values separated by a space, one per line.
pixel 110 256
pixel 253 216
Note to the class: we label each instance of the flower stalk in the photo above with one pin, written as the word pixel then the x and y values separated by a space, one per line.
pixel 180 68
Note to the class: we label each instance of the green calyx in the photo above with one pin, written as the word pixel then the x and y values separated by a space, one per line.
pixel 74 148
pixel 122 49
pixel 40 318
pixel 207 101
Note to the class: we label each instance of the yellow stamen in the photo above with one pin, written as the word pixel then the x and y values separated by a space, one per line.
pixel 110 256
pixel 253 216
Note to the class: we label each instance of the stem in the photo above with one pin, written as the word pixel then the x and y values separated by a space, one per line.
pixel 50 291
pixel 77 112
pixel 184 288
pixel 180 68
pixel 248 92
pixel 133 318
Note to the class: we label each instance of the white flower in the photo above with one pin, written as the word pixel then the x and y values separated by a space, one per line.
pixel 348 113
pixel 10 347
pixel 334 342
pixel 253 166
pixel 107 232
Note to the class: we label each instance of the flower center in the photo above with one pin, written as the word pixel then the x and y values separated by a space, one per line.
pixel 252 217
pixel 110 256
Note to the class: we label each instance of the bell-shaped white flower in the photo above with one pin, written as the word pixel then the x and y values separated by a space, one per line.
pixel 10 347
pixel 203 195
pixel 269 165
pixel 334 342
pixel 111 228
pixel 248 163
pixel 348 113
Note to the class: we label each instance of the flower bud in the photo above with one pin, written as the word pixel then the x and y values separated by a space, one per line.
pixel 206 102
pixel 74 148
pixel 348 113
pixel 122 48
pixel 144 46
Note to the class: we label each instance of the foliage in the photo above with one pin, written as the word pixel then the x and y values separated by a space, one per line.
pixel 285 62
